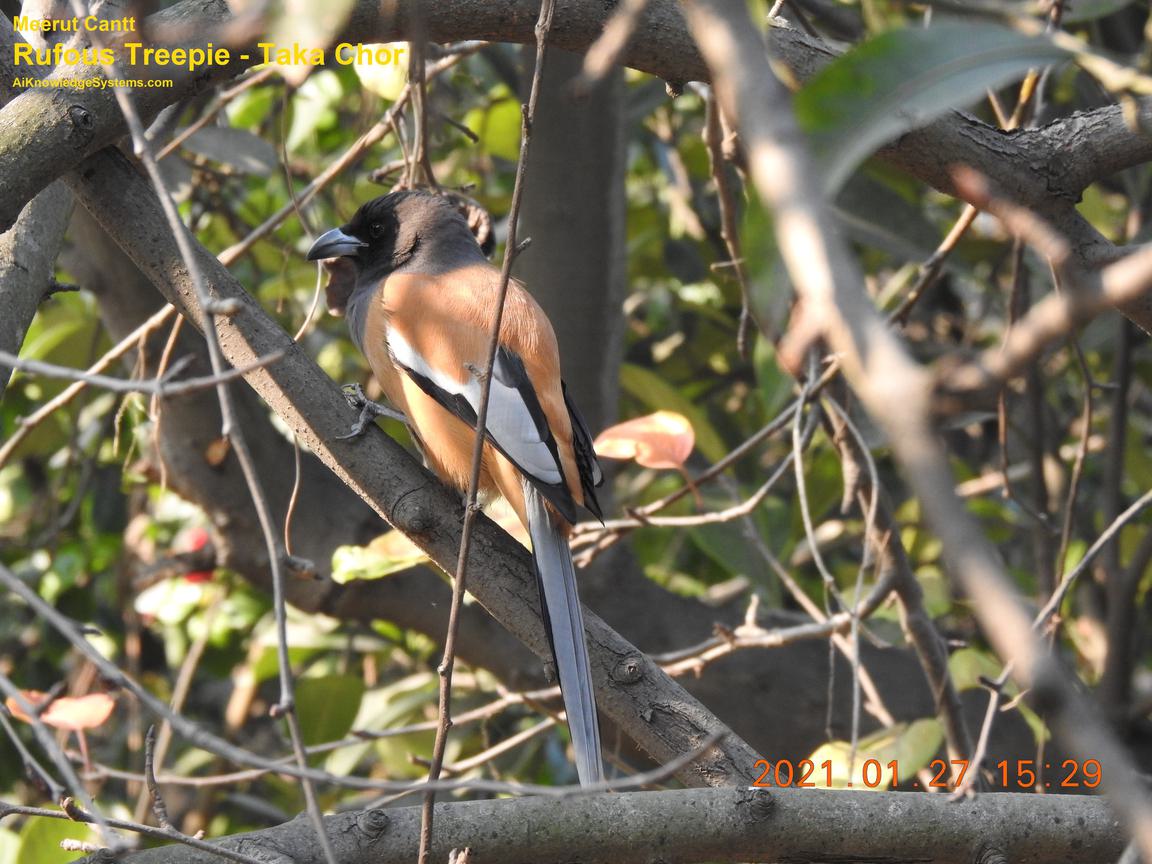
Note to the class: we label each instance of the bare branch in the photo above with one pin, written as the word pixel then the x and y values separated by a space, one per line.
pixel 163 386
pixel 726 825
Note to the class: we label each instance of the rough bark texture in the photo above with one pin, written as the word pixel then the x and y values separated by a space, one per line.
pixel 27 262
pixel 793 825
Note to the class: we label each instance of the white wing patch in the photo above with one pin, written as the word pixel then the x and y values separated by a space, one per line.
pixel 509 421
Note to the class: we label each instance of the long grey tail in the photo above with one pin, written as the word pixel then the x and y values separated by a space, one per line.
pixel 560 605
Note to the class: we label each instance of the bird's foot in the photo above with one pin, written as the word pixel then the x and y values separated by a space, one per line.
pixel 368 409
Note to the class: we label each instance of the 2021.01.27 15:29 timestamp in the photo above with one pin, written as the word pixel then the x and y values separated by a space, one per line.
pixel 1008 774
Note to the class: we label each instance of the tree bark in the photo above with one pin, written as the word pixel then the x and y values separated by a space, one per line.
pixel 27 261
pixel 794 825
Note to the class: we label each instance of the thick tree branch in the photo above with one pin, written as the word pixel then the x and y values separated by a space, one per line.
pixel 27 261
pixel 796 825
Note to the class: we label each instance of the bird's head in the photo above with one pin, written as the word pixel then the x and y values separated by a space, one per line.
pixel 388 231
pixel 411 227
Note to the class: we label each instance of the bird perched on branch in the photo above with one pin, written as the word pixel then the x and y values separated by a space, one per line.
pixel 421 297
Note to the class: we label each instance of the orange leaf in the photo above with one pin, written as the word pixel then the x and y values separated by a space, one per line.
pixel 661 440
pixel 71 713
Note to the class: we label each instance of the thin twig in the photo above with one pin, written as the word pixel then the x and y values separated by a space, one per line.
pixel 417 81
pixel 160 743
pixel 507 745
pixel 162 386
pixel 154 405
pixel 511 248
pixel 1086 414
pixel 729 228
pixel 1053 604
pixel 54 752
pixel 159 808
pixel 931 269
pixel 32 768
pixel 113 354
pixel 75 814
pixel 973 778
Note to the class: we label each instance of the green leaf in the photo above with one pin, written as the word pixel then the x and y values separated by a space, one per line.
pixel 771 291
pixel 775 384
pixel 498 127
pixel 911 746
pixel 871 212
pixel 239 149
pixel 386 79
pixel 314 107
pixel 9 846
pixel 968 665
pixel 903 79
pixel 388 554
pixel 327 706
pixel 726 544
pixel 40 840
pixel 250 107
pixel 919 743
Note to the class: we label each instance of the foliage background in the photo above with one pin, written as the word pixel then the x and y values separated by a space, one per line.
pixel 88 516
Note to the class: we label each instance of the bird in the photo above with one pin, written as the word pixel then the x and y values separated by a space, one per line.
pixel 420 297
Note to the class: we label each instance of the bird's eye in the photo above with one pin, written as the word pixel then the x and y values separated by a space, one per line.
pixel 376 229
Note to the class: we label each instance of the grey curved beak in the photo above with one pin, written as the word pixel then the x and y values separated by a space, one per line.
pixel 335 244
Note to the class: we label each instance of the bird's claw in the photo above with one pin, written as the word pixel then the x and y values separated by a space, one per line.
pixel 368 409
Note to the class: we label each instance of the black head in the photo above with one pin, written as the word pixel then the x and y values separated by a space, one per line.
pixel 411 229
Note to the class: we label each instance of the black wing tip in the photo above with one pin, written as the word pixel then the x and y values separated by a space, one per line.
pixel 592 504
pixel 559 496
pixel 591 475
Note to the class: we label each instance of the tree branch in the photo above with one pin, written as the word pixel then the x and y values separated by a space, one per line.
pixel 796 825
pixel 27 261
